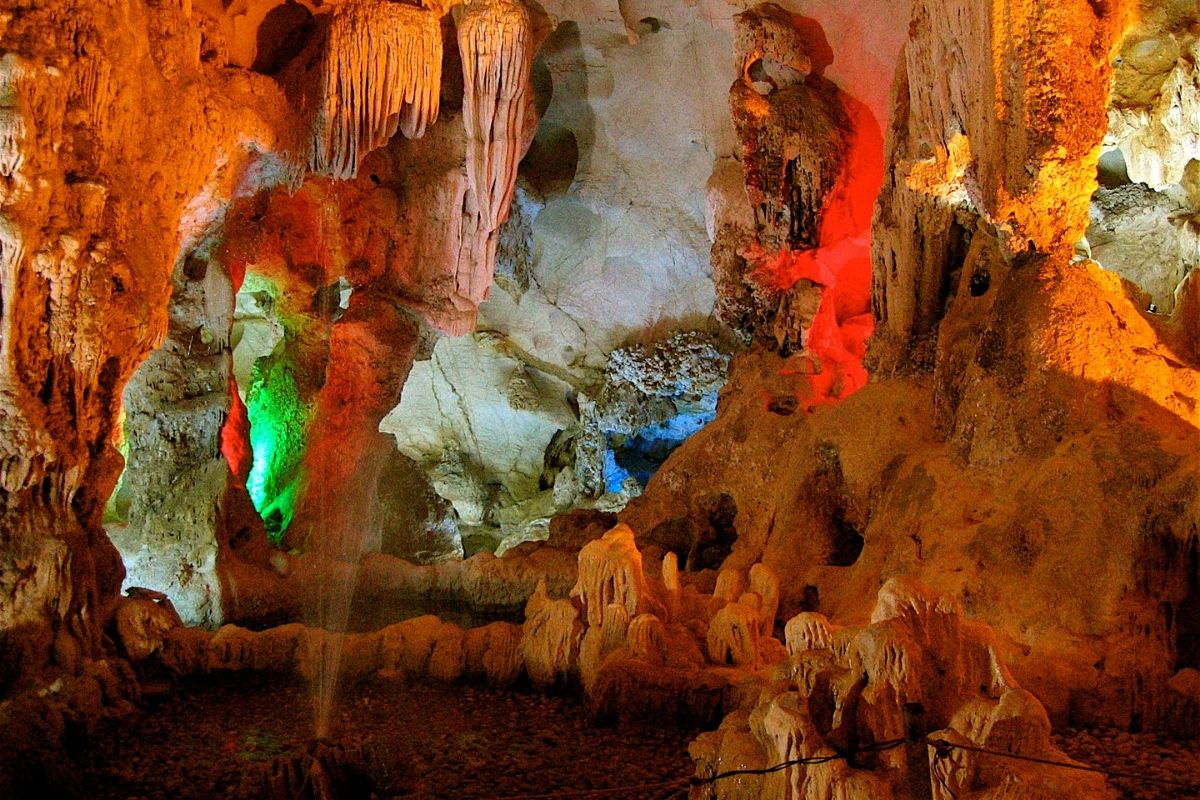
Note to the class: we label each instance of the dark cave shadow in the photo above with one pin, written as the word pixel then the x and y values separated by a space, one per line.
pixel 816 44
pixel 561 82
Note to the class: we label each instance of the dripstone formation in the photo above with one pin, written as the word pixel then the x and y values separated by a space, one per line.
pixel 824 377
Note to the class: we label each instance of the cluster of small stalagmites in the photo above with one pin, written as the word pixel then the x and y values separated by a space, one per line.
pixel 642 644
pixel 627 638
pixel 382 71
pixel 838 689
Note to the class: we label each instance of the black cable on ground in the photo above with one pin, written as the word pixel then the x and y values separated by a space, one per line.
pixel 878 747
pixel 941 745
pixel 680 783
pixel 941 748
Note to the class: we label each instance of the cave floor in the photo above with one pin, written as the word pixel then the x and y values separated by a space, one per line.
pixel 1147 755
pixel 217 739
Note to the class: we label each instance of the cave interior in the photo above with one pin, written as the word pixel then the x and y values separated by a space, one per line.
pixel 600 398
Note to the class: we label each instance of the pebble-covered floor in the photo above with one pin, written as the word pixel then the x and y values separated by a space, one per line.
pixel 216 741
pixel 1146 755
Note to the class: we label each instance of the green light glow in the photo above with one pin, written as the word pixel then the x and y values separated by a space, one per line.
pixel 278 424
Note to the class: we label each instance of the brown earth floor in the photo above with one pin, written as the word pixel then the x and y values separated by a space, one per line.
pixel 213 740
pixel 1148 756
pixel 217 741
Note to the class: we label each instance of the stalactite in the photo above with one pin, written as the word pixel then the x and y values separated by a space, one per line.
pixel 12 133
pixel 12 120
pixel 496 41
pixel 95 92
pixel 382 71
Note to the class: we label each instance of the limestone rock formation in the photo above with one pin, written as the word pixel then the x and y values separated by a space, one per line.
pixel 948 166
pixel 1021 395
pixel 496 40
pixel 1153 118
pixel 921 662
pixel 98 209
pixel 382 71
pixel 747 439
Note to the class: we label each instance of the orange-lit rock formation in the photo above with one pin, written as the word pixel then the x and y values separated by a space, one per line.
pixel 1031 423
pixel 382 71
pixel 951 474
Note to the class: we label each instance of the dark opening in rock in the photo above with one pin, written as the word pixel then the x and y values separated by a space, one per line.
pixel 981 281
pixel 648 25
pixel 283 33
pixel 1111 170
pixel 847 541
pixel 552 160
pixel 783 406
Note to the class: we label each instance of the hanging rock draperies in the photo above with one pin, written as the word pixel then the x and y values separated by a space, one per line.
pixel 496 42
pixel 382 72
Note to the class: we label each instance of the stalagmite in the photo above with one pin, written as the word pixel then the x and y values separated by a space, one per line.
pixel 806 631
pixel 610 571
pixel 731 583
pixel 496 42
pixel 599 641
pixel 733 635
pixel 647 638
pixel 382 71
pixel 550 638
pixel 765 583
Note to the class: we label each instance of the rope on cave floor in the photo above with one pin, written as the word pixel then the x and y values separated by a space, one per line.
pixel 680 783
pixel 942 749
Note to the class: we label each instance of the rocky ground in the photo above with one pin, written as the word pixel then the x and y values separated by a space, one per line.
pixel 1147 758
pixel 218 740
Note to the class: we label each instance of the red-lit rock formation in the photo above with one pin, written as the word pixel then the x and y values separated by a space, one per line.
pixel 1041 436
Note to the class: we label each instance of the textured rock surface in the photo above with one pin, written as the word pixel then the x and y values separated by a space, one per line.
pixel 1039 442
pixel 955 148
pixel 382 71
pixel 858 687
pixel 1154 119
pixel 98 210
pixel 1030 430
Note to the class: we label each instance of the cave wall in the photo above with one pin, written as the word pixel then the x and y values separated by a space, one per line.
pixel 106 216
pixel 608 249
pixel 1028 429
pixel 98 209
pixel 1031 424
